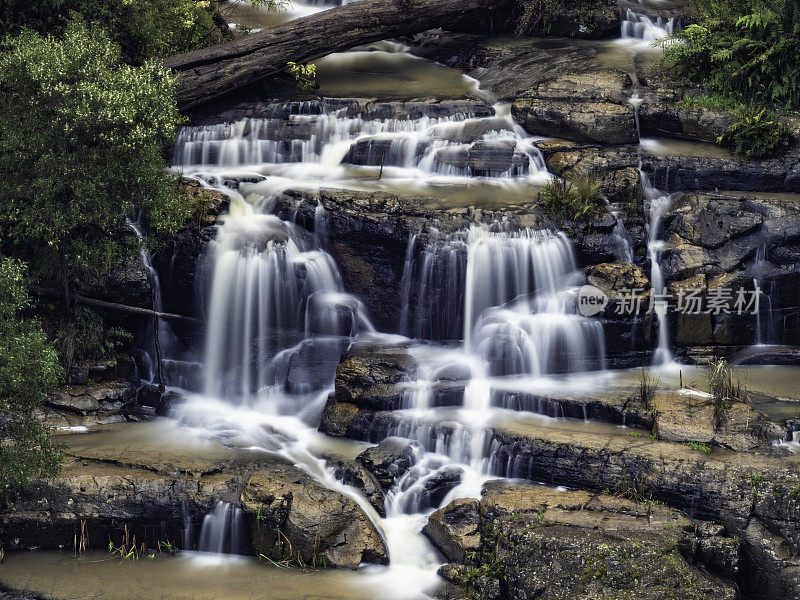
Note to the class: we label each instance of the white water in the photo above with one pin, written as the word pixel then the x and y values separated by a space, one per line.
pixel 639 26
pixel 278 316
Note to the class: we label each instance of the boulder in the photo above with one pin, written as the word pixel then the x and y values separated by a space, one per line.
pixel 659 119
pixel 293 517
pixel 454 529
pixel 389 460
pixel 352 472
pixel 612 278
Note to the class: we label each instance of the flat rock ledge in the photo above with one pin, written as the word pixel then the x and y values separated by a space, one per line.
pixel 528 541
pixel 288 515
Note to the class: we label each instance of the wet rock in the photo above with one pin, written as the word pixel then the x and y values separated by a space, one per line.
pixel 583 121
pixel 180 269
pixel 718 553
pixel 678 173
pixel 352 472
pixel 208 204
pixel 689 418
pixel 337 417
pixel 366 376
pixel 108 488
pixel 612 278
pixel 293 517
pixel 431 487
pixel 389 460
pixel 454 529
pixel 547 543
pixel 85 400
pixel 595 19
pixel 699 124
pixel 377 151
pixel 313 364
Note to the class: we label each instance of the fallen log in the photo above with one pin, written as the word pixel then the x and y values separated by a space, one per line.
pixel 208 73
pixel 114 306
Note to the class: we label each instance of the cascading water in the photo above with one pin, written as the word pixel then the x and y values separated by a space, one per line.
pixel 639 26
pixel 278 316
pixel 766 333
pixel 223 530
pixel 341 137
pixel 656 203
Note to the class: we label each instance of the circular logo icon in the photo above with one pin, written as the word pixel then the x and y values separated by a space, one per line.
pixel 591 301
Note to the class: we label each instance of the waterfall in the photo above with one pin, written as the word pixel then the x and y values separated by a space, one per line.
pixel 765 321
pixel 437 278
pixel 502 267
pixel 270 288
pixel 279 317
pixel 640 26
pixel 223 530
pixel 656 205
pixel 350 135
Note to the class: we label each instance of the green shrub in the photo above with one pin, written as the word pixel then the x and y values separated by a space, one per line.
pixel 143 29
pixel 80 149
pixel 577 197
pixel 756 134
pixel 28 367
pixel 747 48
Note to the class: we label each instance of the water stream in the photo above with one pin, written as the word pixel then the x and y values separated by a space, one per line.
pixel 491 308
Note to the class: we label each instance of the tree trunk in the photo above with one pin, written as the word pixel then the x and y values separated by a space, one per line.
pixel 208 73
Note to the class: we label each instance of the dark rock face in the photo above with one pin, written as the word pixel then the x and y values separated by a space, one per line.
pixel 595 19
pixel 535 541
pixel 698 124
pixel 713 243
pixel 352 472
pixel 180 268
pixel 318 526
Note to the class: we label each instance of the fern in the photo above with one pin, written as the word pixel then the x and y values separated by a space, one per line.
pixel 745 47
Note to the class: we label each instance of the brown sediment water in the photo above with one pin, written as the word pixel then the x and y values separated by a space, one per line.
pixel 189 576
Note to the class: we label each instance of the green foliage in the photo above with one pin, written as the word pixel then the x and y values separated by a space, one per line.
pixel 304 75
pixel 28 367
pixel 80 140
pixel 142 28
pixel 578 196
pixel 719 101
pixel 747 48
pixel 699 446
pixel 756 134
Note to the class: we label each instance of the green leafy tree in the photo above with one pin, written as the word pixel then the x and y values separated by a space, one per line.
pixel 142 28
pixel 80 148
pixel 28 367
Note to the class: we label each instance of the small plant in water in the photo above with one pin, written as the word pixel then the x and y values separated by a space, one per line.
pixel 699 446
pixel 723 392
pixel 648 384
